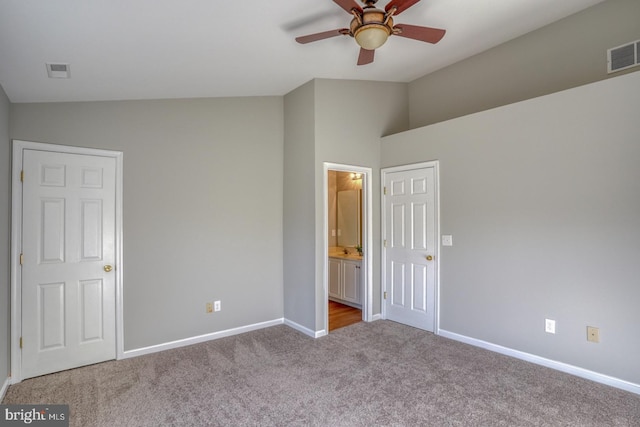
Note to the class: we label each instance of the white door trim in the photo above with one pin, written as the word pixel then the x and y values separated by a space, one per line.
pixel 383 172
pixel 367 238
pixel 16 239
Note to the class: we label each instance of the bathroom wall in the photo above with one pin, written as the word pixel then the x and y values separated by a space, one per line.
pixel 332 206
pixel 338 181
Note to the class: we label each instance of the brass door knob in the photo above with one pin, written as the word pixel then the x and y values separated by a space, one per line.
pixel 429 258
pixel 108 268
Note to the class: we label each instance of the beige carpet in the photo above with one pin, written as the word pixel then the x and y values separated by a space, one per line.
pixel 368 374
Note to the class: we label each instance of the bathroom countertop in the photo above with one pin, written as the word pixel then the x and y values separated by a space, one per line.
pixel 342 255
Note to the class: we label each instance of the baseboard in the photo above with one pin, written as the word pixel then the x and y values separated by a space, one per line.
pixel 200 338
pixel 304 330
pixel 376 317
pixel 4 388
pixel 559 366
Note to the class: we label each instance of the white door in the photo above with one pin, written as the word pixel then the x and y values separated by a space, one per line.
pixel 335 279
pixel 409 255
pixel 68 246
pixel 351 281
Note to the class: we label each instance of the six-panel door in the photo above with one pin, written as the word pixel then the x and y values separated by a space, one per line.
pixel 411 246
pixel 68 297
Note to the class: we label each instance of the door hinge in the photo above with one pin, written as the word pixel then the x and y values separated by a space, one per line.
pixel 385 190
pixel 20 342
pixel 21 176
pixel 21 258
pixel 385 243
pixel 385 295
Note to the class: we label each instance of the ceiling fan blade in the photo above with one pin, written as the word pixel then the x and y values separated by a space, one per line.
pixel 401 5
pixel 348 5
pixel 366 56
pixel 424 34
pixel 321 36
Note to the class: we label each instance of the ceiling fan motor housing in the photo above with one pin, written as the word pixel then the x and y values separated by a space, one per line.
pixel 371 27
pixel 372 19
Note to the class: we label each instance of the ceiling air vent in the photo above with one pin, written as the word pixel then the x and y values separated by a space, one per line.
pixel 58 71
pixel 623 57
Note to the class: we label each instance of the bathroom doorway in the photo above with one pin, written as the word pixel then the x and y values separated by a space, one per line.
pixel 347 245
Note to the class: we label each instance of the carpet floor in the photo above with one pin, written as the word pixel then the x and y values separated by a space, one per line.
pixel 368 374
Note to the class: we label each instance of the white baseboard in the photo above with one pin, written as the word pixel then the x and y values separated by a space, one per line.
pixel 304 330
pixel 559 366
pixel 4 388
pixel 200 338
pixel 376 317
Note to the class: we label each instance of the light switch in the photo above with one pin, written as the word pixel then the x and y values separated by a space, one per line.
pixel 447 240
pixel 333 233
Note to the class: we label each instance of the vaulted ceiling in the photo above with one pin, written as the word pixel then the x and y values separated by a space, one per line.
pixel 150 49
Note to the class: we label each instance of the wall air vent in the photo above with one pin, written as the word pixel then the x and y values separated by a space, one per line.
pixel 623 57
pixel 58 71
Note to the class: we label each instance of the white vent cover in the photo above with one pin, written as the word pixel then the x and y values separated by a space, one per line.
pixel 623 57
pixel 58 71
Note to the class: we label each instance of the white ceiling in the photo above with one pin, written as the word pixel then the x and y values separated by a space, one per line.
pixel 150 49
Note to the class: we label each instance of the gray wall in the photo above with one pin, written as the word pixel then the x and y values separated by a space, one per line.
pixel 325 122
pixel 202 205
pixel 5 236
pixel 568 53
pixel 193 210
pixel 542 198
pixel 299 206
pixel 351 116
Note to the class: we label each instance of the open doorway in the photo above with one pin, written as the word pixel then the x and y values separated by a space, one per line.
pixel 348 234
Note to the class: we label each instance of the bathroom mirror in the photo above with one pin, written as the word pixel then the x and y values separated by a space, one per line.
pixel 349 214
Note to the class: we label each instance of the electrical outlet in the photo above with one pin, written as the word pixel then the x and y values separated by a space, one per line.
pixel 216 306
pixel 593 334
pixel 550 326
pixel 209 307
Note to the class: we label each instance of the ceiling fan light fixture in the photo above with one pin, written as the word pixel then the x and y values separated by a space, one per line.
pixel 371 27
pixel 372 36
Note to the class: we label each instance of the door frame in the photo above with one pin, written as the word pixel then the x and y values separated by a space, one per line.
pixel 367 238
pixel 435 164
pixel 16 246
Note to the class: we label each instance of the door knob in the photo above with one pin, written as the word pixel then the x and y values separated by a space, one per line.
pixel 429 258
pixel 108 268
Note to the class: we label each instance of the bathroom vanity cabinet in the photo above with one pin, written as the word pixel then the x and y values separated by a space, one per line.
pixel 345 281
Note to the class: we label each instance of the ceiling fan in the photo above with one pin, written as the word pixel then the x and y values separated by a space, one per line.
pixel 371 27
